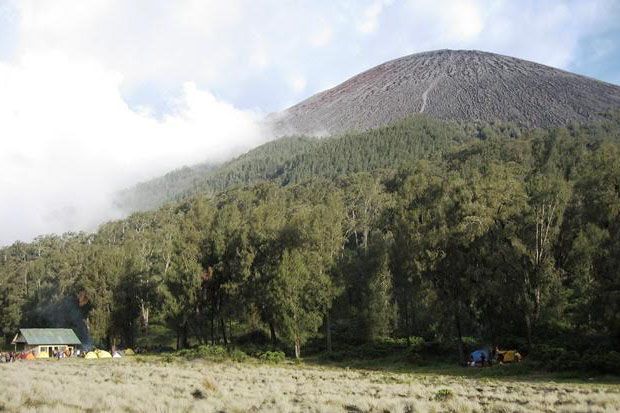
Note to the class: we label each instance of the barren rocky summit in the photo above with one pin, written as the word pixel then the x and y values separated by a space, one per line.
pixel 452 85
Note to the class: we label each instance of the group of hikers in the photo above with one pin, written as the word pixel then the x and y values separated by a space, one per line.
pixel 484 357
pixel 8 357
pixel 12 356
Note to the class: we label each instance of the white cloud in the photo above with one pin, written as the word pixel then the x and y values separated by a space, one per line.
pixel 464 20
pixel 546 32
pixel 321 37
pixel 297 83
pixel 69 137
pixel 370 16
pixel 69 141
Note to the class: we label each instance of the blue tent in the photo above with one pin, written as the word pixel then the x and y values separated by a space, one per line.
pixel 476 356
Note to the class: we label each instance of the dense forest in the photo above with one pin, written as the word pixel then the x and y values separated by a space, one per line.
pixel 295 159
pixel 452 234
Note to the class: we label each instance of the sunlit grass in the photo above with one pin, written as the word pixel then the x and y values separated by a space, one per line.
pixel 152 384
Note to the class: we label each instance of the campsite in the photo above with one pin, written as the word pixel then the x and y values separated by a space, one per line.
pixel 310 206
pixel 392 377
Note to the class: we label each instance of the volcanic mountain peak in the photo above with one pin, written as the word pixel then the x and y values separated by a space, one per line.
pixel 453 85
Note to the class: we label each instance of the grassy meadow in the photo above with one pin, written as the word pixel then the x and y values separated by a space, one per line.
pixel 162 384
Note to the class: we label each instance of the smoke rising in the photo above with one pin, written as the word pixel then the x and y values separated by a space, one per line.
pixel 63 312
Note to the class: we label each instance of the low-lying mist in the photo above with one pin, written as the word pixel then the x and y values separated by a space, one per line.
pixel 70 142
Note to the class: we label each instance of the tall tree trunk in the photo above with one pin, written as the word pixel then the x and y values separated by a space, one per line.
pixel 527 316
pixel 212 328
pixel 223 328
pixel 297 347
pixel 407 321
pixel 144 311
pixel 537 294
pixel 459 331
pixel 528 327
pixel 328 331
pixel 184 342
pixel 272 331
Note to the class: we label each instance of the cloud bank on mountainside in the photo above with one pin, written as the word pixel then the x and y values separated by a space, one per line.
pixel 96 95
pixel 69 141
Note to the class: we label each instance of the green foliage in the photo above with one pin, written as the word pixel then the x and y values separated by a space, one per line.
pixel 211 352
pixel 296 159
pixel 443 395
pixel 237 355
pixel 451 234
pixel 562 359
pixel 272 356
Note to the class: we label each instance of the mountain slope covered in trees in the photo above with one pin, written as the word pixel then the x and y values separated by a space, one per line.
pixel 378 114
pixel 293 159
pixel 492 239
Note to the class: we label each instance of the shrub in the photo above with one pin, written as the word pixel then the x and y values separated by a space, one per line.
pixel 416 343
pixel 442 395
pixel 217 353
pixel 237 355
pixel 272 356
pixel 197 394
pixel 608 362
pixel 470 342
pixel 559 359
pixel 204 351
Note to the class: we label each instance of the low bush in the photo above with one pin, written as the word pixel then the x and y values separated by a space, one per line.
pixel 608 362
pixel 443 395
pixel 210 352
pixel 272 356
pixel 555 358
pixel 471 343
pixel 237 355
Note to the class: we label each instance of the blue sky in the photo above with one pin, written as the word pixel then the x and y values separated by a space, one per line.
pixel 266 55
pixel 96 95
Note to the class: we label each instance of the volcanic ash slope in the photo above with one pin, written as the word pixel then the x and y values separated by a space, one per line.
pixel 452 85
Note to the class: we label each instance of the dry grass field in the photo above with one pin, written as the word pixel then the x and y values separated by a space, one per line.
pixel 152 385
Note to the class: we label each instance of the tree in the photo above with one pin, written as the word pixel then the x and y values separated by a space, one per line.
pixel 182 283
pixel 534 243
pixel 301 296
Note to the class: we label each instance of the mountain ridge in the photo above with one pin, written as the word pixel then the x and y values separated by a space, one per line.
pixel 462 92
pixel 463 85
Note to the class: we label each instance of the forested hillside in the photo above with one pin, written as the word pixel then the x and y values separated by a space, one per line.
pixel 429 232
pixel 294 159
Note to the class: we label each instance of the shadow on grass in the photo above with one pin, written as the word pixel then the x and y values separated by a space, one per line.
pixel 523 371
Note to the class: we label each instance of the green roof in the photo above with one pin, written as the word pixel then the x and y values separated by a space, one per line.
pixel 36 336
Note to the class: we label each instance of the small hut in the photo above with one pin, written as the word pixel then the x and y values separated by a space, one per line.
pixel 44 342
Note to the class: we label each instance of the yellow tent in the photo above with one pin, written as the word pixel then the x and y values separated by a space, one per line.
pixel 102 354
pixel 91 355
pixel 43 355
pixel 129 352
pixel 510 356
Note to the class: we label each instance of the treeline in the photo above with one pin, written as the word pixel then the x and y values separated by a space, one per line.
pixel 507 240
